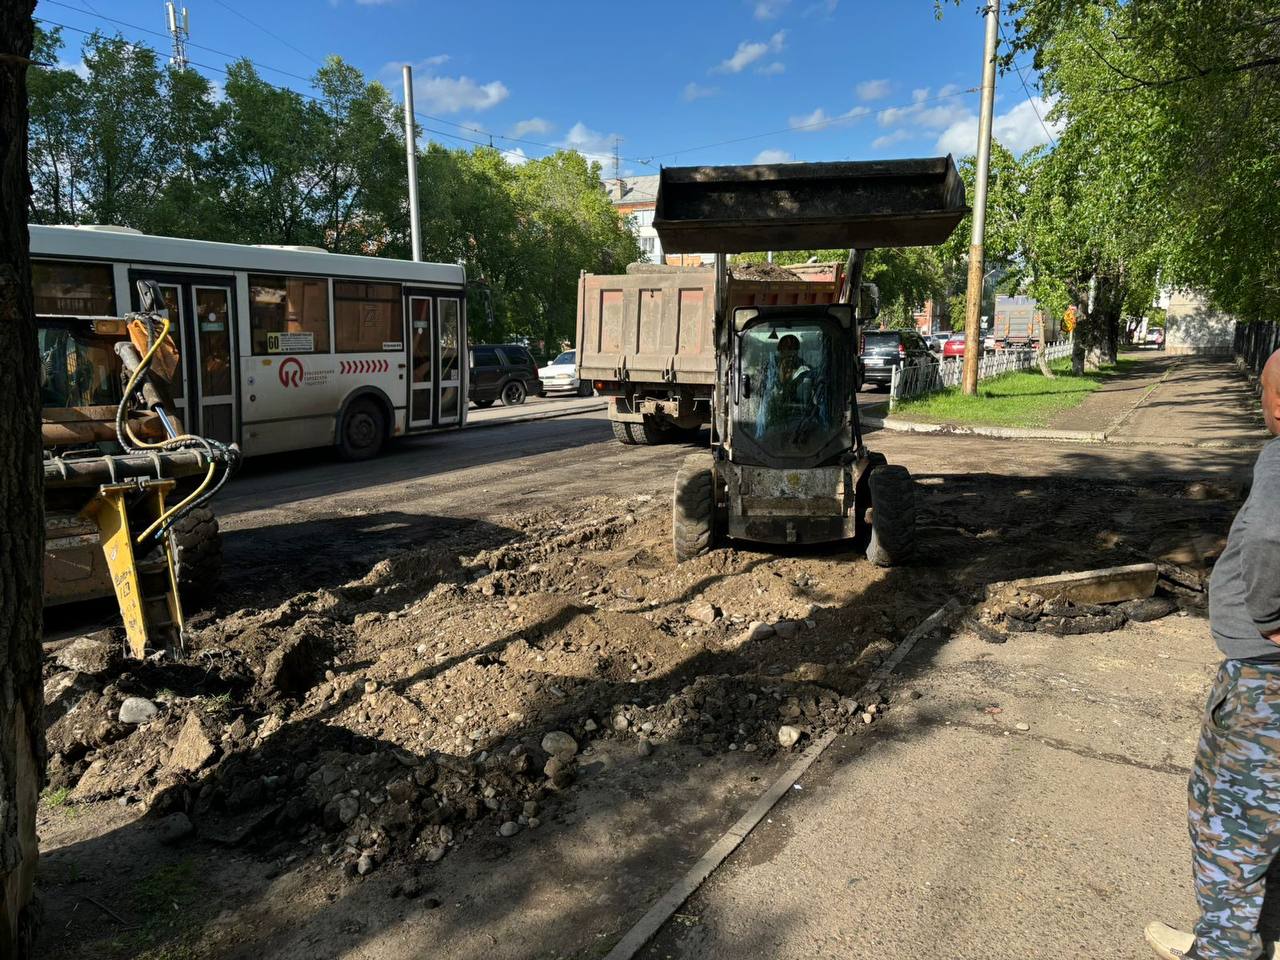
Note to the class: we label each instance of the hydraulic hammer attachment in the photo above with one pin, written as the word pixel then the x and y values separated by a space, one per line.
pixel 146 587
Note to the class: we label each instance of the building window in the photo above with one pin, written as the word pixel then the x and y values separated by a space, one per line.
pixel 367 317
pixel 644 218
pixel 288 314
pixel 73 289
pixel 647 244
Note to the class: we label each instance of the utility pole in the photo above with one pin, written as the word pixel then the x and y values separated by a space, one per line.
pixel 977 280
pixel 179 30
pixel 411 157
pixel 616 159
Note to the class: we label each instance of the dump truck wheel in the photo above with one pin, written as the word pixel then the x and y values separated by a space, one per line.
pixel 693 509
pixel 198 553
pixel 621 433
pixel 893 516
pixel 650 431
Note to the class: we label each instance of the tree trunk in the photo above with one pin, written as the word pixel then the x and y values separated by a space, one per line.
pixel 21 504
pixel 1042 361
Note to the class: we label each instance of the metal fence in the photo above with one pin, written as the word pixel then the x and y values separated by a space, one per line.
pixel 1254 343
pixel 930 377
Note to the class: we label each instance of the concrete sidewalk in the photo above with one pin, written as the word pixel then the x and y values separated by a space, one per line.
pixel 1202 401
pixel 1031 803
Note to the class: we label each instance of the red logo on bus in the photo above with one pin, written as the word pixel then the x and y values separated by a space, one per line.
pixel 291 372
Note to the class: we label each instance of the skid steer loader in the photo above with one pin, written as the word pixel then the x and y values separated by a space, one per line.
pixel 126 490
pixel 787 464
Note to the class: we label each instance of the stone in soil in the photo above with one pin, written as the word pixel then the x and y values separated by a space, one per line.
pixel 194 747
pixel 137 710
pixel 702 611
pixel 509 829
pixel 559 744
pixel 789 736
pixel 91 655
pixel 174 828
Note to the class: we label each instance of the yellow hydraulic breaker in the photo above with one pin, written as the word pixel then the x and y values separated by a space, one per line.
pixel 146 589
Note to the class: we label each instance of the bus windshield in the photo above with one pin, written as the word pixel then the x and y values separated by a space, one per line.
pixel 793 386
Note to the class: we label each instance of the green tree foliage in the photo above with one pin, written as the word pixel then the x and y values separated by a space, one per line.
pixel 1172 112
pixel 131 142
pixel 907 277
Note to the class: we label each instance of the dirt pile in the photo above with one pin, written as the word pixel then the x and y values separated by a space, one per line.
pixel 763 271
pixel 401 712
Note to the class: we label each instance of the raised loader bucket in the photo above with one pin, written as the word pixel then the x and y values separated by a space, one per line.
pixel 802 206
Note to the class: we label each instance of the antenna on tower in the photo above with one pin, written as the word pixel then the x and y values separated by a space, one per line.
pixel 179 30
pixel 616 142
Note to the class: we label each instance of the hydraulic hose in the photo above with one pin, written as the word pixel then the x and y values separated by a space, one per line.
pixel 219 454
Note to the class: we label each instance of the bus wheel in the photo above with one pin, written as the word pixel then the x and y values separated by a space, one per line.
pixel 513 393
pixel 362 431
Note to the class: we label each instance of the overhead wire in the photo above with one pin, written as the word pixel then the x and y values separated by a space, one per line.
pixel 1030 99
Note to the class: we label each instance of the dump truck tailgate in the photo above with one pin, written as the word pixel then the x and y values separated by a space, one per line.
pixel 659 327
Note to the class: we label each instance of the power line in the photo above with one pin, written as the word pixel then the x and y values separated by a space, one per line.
pixel 271 33
pixel 309 81
pixel 300 93
pixel 1030 99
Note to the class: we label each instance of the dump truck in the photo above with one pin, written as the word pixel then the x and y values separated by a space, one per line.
pixel 1019 322
pixel 645 339
pixel 787 463
pixel 126 489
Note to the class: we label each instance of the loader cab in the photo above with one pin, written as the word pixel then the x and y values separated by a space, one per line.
pixel 793 384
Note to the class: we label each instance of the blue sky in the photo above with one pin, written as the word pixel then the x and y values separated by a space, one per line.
pixel 702 81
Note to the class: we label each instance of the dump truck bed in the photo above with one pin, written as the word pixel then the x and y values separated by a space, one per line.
pixel 656 326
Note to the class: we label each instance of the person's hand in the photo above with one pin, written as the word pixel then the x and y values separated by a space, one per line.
pixel 1273 638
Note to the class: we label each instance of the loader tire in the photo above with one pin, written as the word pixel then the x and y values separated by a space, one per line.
pixel 197 551
pixel 893 516
pixel 693 508
pixel 621 433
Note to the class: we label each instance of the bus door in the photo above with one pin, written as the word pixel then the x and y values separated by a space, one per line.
pixel 436 356
pixel 201 310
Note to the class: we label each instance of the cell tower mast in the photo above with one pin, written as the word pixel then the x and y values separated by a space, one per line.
pixel 179 30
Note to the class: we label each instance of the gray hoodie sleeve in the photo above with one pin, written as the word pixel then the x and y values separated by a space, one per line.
pixel 1260 552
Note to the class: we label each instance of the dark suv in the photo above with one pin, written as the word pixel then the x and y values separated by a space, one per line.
pixel 883 350
pixel 502 371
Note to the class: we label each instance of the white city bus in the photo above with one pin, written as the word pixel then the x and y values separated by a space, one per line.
pixel 282 347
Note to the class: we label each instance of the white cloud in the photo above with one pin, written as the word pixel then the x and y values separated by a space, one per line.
pixel 772 69
pixel 592 145
pixel 873 89
pixel 749 52
pixel 821 120
pixel 889 139
pixel 926 113
pixel 438 59
pixel 535 125
pixel 774 156
pixel 770 9
pixel 437 94
pixel 1018 129
pixel 79 68
pixel 516 157
pixel 696 91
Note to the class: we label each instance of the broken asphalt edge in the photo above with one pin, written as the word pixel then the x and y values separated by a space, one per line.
pixel 531 417
pixel 662 911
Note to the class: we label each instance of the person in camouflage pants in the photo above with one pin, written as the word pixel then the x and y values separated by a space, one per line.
pixel 1234 803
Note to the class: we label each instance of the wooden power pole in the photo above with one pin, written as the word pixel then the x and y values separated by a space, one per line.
pixel 973 304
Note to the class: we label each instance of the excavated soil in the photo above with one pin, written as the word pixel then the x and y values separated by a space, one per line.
pixel 455 687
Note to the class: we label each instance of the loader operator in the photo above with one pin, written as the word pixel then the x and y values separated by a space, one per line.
pixel 795 377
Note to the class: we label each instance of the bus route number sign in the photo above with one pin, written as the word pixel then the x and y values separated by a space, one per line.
pixel 291 342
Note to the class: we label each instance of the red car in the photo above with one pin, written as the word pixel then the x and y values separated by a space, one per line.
pixel 954 347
